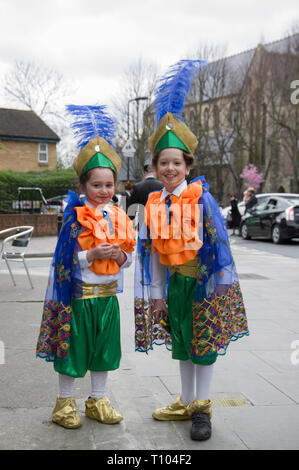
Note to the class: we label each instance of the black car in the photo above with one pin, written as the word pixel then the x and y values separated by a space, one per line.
pixel 274 217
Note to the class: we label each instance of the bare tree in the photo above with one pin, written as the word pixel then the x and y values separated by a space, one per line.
pixel 42 90
pixel 208 112
pixel 268 124
pixel 133 100
pixel 37 88
pixel 283 110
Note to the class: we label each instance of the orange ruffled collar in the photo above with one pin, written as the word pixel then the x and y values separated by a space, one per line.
pixel 178 241
pixel 118 229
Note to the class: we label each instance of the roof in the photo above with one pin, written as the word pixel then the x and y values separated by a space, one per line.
pixel 234 69
pixel 17 124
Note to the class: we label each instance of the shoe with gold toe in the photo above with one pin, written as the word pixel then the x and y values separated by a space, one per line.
pixel 177 411
pixel 66 413
pixel 102 411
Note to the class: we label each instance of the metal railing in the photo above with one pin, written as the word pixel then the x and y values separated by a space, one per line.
pixel 29 199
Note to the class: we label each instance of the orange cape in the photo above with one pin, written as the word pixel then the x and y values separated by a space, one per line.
pixel 178 241
pixel 98 230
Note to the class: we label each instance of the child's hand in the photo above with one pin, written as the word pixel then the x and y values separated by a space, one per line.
pixel 116 251
pixel 159 309
pixel 118 255
pixel 102 251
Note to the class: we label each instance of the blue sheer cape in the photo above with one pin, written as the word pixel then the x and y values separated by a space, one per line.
pixel 218 309
pixel 54 336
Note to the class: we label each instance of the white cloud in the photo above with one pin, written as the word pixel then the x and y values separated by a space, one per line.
pixel 92 41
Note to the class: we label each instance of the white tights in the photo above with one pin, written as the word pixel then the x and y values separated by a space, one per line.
pixel 98 385
pixel 195 381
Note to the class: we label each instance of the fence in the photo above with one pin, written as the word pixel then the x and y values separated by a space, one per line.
pixel 16 199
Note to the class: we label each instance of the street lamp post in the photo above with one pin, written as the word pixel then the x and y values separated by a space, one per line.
pixel 137 99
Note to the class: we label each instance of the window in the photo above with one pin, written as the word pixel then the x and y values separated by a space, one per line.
pixel 43 153
pixel 206 118
pixel 216 117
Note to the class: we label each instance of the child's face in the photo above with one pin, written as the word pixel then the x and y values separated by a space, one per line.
pixel 171 168
pixel 100 187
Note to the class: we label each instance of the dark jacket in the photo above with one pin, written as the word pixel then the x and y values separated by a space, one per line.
pixel 250 203
pixel 236 216
pixel 139 195
pixel 141 190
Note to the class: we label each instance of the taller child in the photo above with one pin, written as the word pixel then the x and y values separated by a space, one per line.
pixel 80 328
pixel 184 265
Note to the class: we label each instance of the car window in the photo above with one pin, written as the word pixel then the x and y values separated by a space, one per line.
pixel 293 201
pixel 278 203
pixel 261 206
pixel 262 199
pixel 271 204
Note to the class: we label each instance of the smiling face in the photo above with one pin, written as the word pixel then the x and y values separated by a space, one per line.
pixel 99 187
pixel 172 168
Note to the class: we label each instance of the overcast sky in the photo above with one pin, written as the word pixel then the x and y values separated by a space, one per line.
pixel 92 41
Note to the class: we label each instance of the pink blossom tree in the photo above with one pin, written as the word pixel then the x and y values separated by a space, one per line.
pixel 252 178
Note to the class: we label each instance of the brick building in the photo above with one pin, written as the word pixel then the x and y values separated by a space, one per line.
pixel 26 142
pixel 241 111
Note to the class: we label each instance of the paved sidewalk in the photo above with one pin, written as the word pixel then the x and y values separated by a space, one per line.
pixel 41 247
pixel 255 388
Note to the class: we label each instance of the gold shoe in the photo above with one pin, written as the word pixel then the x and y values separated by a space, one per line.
pixel 102 411
pixel 177 411
pixel 66 413
pixel 200 406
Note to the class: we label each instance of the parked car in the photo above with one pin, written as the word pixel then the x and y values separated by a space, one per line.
pixel 54 205
pixel 226 211
pixel 30 199
pixel 275 216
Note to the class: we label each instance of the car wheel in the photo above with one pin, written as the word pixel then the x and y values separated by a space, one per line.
pixel 244 232
pixel 276 234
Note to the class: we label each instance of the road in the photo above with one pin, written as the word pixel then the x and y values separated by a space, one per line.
pixel 290 249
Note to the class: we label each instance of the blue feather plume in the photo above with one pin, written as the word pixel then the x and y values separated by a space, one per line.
pixel 174 87
pixel 91 121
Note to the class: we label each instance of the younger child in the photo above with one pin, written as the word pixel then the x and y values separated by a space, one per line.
pixel 80 328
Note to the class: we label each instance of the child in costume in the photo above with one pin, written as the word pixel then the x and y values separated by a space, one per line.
pixel 80 327
pixel 187 292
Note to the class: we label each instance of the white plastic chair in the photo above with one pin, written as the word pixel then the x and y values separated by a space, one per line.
pixel 14 246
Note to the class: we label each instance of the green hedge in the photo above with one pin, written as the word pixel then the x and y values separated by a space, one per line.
pixel 42 178
pixel 52 183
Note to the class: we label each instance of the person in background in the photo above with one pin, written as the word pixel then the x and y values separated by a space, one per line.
pixel 252 199
pixel 141 191
pixel 127 193
pixel 236 216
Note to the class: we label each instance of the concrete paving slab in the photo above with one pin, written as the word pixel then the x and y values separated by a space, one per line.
pixel 23 429
pixel 280 361
pixel 287 383
pixel 264 427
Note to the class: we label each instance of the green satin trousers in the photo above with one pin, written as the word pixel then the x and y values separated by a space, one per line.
pixel 180 298
pixel 95 337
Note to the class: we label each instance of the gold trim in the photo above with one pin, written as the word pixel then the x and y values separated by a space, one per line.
pixel 179 128
pixel 189 269
pixel 200 406
pixel 91 291
pixel 88 152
